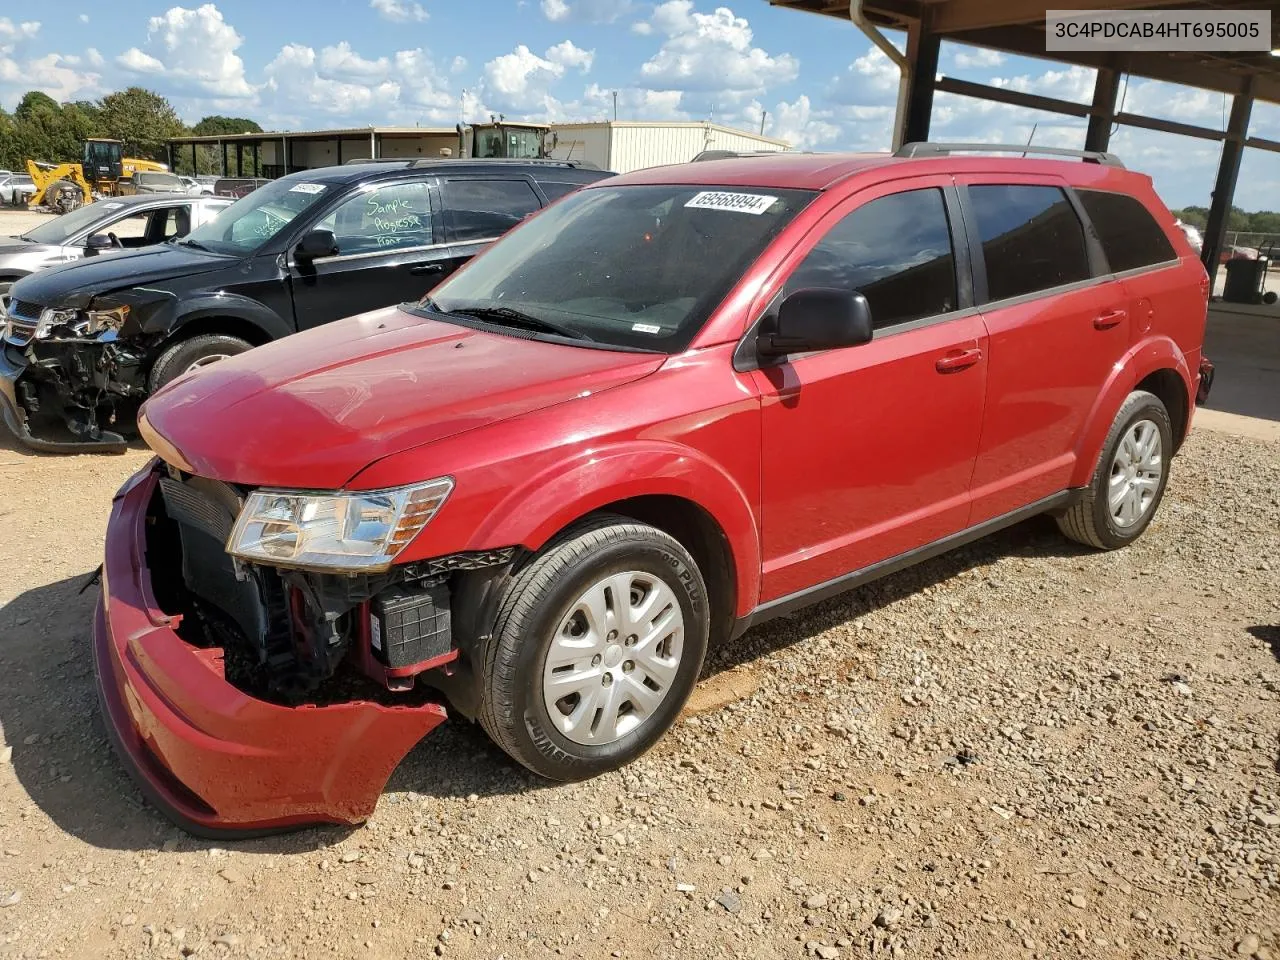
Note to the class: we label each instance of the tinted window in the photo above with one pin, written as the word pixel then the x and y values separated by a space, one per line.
pixel 895 250
pixel 1031 239
pixel 397 215
pixel 1130 235
pixel 480 209
pixel 555 191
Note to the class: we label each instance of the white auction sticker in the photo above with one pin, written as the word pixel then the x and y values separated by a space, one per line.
pixel 753 203
pixel 307 188
pixel 112 206
pixel 646 328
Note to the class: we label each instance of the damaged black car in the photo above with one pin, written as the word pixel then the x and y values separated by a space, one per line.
pixel 84 344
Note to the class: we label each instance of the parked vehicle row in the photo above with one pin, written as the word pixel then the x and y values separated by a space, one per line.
pixel 669 407
pixel 86 343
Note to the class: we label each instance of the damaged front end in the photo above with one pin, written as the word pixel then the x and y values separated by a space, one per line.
pixel 261 697
pixel 68 381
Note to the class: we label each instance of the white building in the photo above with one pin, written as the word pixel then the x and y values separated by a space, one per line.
pixel 620 146
pixel 624 145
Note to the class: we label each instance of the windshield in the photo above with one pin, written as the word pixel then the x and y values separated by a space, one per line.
pixel 61 229
pixel 625 266
pixel 254 219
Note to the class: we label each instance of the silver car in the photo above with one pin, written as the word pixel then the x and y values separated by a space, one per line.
pixel 119 223
pixel 16 188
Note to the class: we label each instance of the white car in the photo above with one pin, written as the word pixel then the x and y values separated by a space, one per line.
pixel 196 187
pixel 1192 234
pixel 16 188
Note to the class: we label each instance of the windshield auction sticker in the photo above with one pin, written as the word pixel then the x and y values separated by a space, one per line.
pixel 307 188
pixel 753 203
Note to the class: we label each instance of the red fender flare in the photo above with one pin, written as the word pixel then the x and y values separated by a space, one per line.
pixel 548 502
pixel 1142 360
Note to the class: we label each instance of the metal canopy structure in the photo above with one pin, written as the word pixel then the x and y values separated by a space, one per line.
pixel 1018 27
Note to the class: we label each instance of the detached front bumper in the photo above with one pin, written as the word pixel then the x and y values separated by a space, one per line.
pixel 15 418
pixel 216 761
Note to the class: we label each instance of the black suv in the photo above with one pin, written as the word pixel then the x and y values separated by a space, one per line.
pixel 84 344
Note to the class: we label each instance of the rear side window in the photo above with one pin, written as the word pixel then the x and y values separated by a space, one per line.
pixel 482 209
pixel 1130 236
pixel 1032 239
pixel 895 251
pixel 555 191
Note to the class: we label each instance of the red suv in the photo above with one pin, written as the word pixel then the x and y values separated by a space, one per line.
pixel 665 409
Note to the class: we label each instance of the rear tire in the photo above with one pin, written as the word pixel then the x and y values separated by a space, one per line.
pixel 191 353
pixel 598 643
pixel 1129 480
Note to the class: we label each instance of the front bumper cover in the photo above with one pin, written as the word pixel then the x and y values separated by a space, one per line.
pixel 215 760
pixel 15 418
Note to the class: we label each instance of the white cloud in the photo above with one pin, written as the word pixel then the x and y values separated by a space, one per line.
pixel 195 50
pixel 976 58
pixel 642 28
pixel 11 32
pixel 94 57
pixel 398 11
pixel 84 18
pixel 710 59
pixel 568 55
pixel 458 65
pixel 801 125
pixel 871 79
pixel 520 81
pixel 342 63
pixel 587 11
pixel 295 80
pixel 555 9
pixel 61 77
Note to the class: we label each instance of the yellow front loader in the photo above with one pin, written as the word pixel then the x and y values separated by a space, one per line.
pixel 60 186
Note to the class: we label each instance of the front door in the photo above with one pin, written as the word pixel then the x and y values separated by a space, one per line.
pixel 868 450
pixel 387 254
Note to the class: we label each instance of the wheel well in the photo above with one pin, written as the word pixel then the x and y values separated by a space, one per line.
pixel 698 533
pixel 231 326
pixel 1172 391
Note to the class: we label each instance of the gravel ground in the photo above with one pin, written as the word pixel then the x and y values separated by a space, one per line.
pixel 1021 749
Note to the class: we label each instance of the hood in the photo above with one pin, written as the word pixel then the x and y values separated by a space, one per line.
pixel 10 246
pixel 314 409
pixel 75 284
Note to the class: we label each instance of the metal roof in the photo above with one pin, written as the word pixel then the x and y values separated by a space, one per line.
pixel 1017 27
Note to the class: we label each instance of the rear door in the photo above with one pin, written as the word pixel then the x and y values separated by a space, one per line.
pixel 475 211
pixel 1057 325
pixel 868 450
pixel 388 253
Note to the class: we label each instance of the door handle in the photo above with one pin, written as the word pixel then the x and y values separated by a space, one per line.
pixel 426 268
pixel 1112 318
pixel 958 360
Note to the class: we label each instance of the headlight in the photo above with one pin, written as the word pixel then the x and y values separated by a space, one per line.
pixel 359 532
pixel 80 324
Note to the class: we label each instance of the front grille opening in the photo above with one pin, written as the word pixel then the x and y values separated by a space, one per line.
pixel 204 624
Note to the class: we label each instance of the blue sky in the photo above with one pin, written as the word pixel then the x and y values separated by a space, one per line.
pixel 818 81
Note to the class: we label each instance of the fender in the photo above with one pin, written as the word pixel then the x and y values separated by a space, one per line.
pixel 1142 360
pixel 169 321
pixel 548 502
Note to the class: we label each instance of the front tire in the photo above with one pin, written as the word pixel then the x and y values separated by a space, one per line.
pixel 1129 480
pixel 193 353
pixel 598 643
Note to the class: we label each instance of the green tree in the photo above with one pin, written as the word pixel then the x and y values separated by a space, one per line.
pixel 214 126
pixel 144 120
pixel 33 103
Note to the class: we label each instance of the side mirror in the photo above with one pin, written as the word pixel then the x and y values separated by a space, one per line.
pixel 97 243
pixel 316 243
pixel 817 318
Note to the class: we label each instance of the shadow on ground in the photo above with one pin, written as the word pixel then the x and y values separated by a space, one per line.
pixel 1270 635
pixel 49 709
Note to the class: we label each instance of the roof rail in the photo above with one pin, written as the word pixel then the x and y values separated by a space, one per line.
pixel 542 162
pixel 737 154
pixel 920 149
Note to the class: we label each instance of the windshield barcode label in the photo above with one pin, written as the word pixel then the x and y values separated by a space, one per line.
pixel 753 203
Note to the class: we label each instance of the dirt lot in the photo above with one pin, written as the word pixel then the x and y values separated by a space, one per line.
pixel 1023 749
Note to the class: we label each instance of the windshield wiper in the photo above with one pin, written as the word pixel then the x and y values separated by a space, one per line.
pixel 516 318
pixel 188 242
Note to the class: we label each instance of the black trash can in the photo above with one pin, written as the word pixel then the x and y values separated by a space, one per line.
pixel 1244 280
